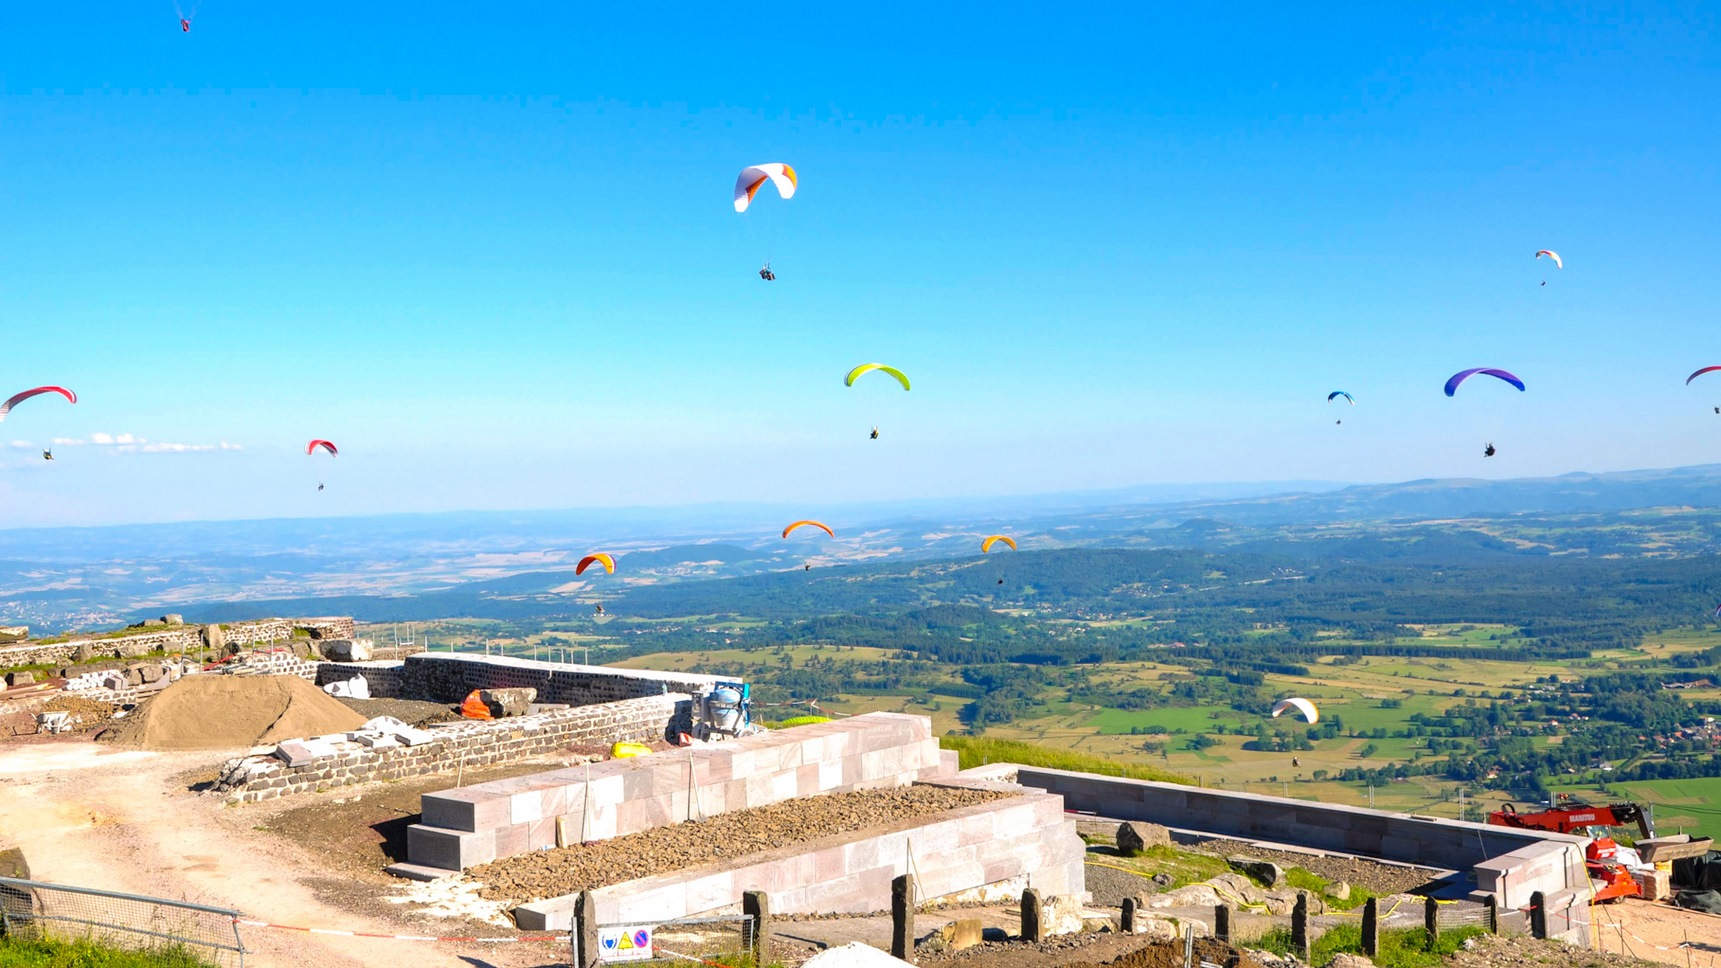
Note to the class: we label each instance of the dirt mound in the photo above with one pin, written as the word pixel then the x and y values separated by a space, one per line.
pixel 223 712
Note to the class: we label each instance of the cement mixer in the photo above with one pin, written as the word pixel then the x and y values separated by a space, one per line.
pixel 727 712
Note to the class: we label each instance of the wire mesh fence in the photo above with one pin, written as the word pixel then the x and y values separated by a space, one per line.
pixel 56 912
pixel 691 939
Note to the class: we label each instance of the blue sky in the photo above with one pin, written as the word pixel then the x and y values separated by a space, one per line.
pixel 490 251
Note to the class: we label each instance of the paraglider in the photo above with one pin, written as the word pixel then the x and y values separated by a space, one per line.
pixel 1462 375
pixel 598 609
pixel 1700 372
pixel 754 177
pixel 809 524
pixel 595 558
pixel 184 26
pixel 1340 393
pixel 874 434
pixel 17 398
pixel 865 368
pixel 47 455
pixel 1310 713
pixel 1550 253
pixel 329 446
pixel 987 544
pixel 766 273
pixel 1488 451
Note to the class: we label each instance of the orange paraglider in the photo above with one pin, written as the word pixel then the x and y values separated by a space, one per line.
pixel 809 524
pixel 595 558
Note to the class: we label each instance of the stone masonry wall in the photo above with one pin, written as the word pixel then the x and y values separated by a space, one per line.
pixel 178 638
pixel 253 778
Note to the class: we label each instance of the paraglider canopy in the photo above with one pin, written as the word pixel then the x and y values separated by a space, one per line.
pixel 598 558
pixel 327 445
pixel 17 398
pixel 809 524
pixel 986 545
pixel 866 368
pixel 1310 713
pixel 1340 393
pixel 1550 253
pixel 753 177
pixel 1462 375
pixel 1707 369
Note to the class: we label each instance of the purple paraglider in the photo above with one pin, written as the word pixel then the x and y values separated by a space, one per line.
pixel 1462 375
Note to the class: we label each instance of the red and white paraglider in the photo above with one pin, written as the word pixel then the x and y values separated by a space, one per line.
pixel 17 398
pixel 324 445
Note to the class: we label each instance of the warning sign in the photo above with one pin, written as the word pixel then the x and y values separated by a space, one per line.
pixel 625 943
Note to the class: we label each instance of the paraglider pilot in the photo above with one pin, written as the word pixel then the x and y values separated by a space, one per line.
pixel 1488 451
pixel 47 455
pixel 875 433
pixel 185 26
pixel 598 609
pixel 766 274
pixel 319 487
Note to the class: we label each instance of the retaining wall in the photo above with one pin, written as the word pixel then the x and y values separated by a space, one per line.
pixel 1024 841
pixel 476 743
pixel 1507 862
pixel 481 823
pixel 175 638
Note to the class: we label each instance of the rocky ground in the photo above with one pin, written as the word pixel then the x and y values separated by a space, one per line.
pixel 1510 952
pixel 409 711
pixel 1376 877
pixel 551 873
pixel 1089 951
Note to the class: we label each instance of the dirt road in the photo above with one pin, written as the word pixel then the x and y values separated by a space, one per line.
pixel 95 816
pixel 1655 932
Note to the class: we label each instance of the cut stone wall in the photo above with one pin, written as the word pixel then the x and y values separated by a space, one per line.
pixel 177 638
pixel 1021 841
pixel 486 821
pixel 1507 862
pixel 450 676
pixel 477 743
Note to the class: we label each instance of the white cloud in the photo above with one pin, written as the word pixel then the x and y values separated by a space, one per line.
pixel 131 444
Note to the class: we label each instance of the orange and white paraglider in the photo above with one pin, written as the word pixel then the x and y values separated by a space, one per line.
pixel 1551 254
pixel 1310 713
pixel 747 185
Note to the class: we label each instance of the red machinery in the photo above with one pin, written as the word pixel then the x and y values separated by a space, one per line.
pixel 1601 857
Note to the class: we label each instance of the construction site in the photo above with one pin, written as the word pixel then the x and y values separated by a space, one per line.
pixel 282 791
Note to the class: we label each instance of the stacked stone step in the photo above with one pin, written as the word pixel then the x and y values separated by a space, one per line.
pixel 477 824
pixel 1007 844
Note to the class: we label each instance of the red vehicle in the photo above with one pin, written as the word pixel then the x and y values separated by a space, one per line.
pixel 1601 856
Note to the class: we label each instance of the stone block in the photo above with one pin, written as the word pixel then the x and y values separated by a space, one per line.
pixel 452 849
pixel 525 807
pixel 466 808
pixel 511 840
pixel 294 753
pixel 16 679
pixel 963 933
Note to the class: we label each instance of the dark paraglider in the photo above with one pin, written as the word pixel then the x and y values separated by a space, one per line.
pixel 1488 451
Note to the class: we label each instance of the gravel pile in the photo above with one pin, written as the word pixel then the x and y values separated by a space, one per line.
pixel 409 711
pixel 1501 951
pixel 724 838
pixel 1358 872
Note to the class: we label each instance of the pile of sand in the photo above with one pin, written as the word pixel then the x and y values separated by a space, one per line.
pixel 223 712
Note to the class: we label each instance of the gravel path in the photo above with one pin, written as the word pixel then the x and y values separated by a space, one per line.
pixel 726 837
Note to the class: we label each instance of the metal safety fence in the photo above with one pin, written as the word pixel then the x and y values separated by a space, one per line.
pixel 56 912
pixel 690 940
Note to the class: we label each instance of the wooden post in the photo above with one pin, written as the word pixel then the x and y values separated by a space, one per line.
pixel 1033 924
pixel 902 917
pixel 1538 915
pixel 1222 923
pixel 1300 927
pixel 757 905
pixel 1493 913
pixel 1431 918
pixel 1126 921
pixel 585 933
pixel 1371 927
